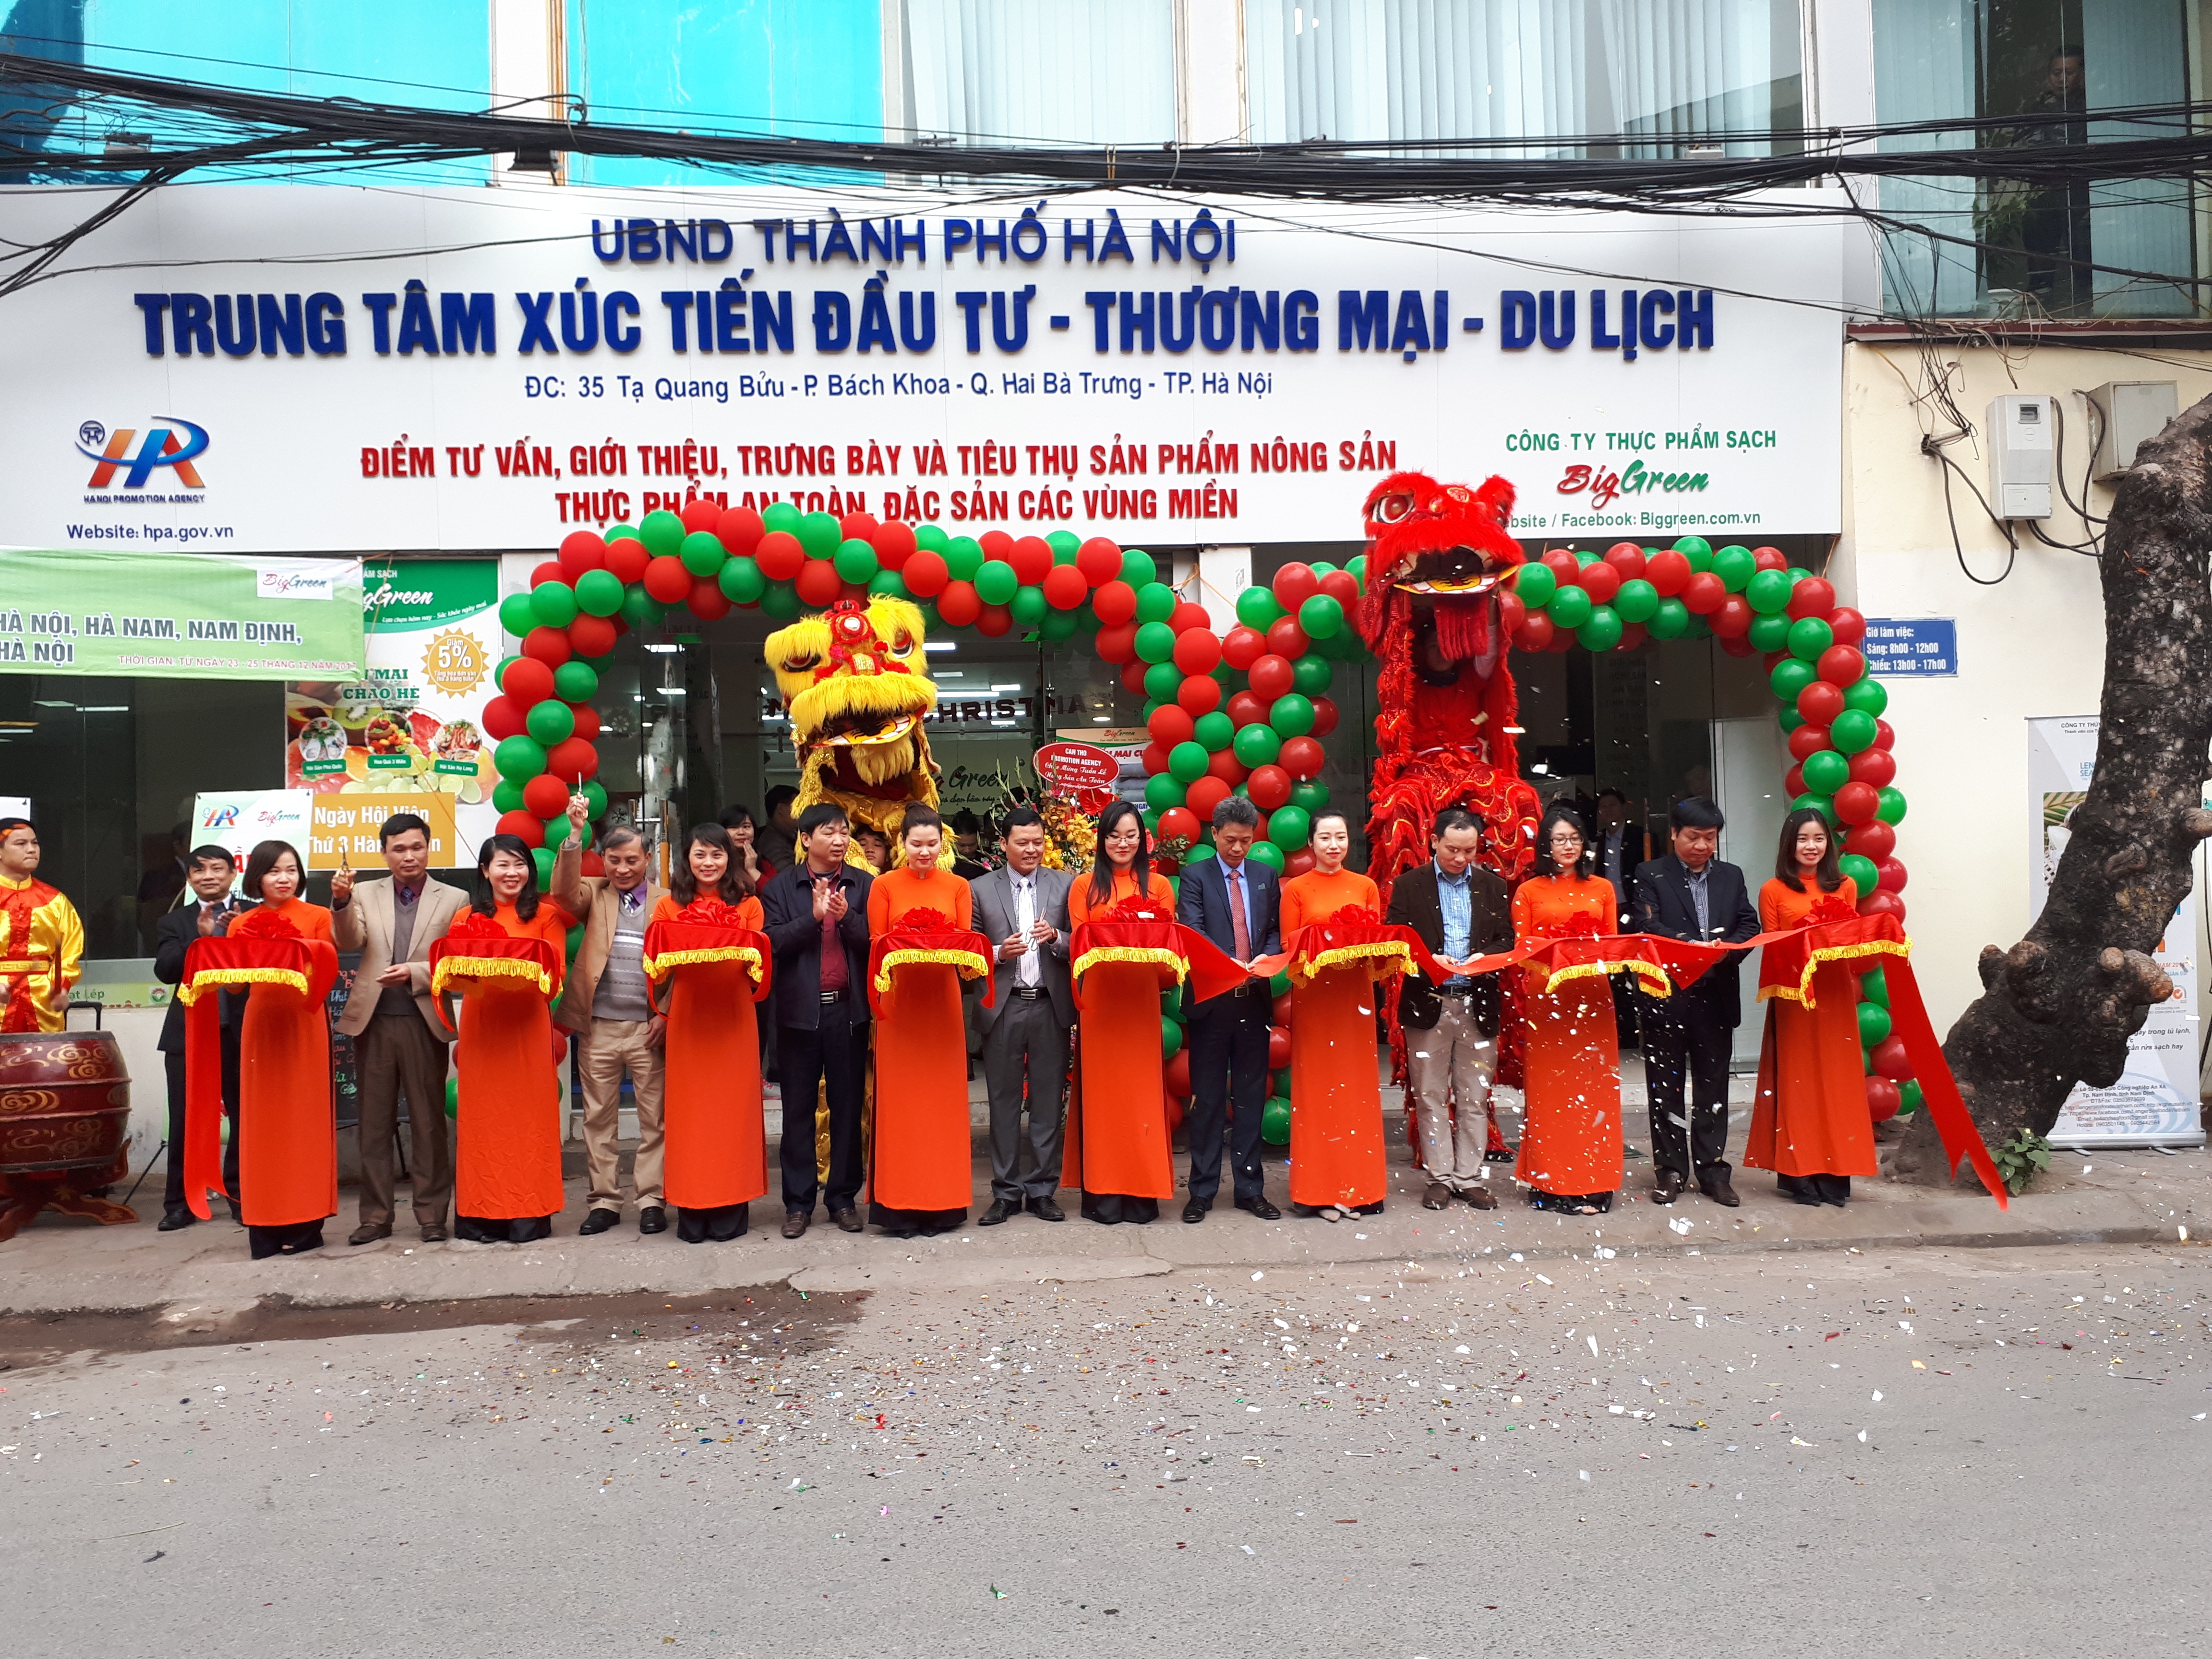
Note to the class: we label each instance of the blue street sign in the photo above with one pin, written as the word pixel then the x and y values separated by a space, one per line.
pixel 1918 647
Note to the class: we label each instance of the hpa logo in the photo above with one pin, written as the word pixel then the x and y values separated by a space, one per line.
pixel 168 442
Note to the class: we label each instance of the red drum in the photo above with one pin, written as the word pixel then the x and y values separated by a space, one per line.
pixel 64 1120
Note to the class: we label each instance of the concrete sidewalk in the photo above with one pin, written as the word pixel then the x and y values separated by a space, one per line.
pixel 59 1264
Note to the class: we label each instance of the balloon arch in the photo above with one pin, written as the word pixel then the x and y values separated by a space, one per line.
pixel 1241 712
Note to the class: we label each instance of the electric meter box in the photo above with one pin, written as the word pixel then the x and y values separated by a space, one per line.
pixel 2133 412
pixel 2021 443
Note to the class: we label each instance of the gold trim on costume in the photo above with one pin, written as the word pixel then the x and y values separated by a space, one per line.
pixel 1386 956
pixel 209 979
pixel 453 968
pixel 1827 953
pixel 970 964
pixel 659 968
pixel 1647 973
pixel 1158 956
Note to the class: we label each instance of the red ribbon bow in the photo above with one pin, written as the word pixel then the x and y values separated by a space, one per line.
pixel 474 924
pixel 711 912
pixel 1354 915
pixel 923 920
pixel 1138 906
pixel 1582 925
pixel 1830 906
pixel 262 923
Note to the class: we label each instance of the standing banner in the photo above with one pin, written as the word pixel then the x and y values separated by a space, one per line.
pixel 235 821
pixel 412 725
pixel 2157 1100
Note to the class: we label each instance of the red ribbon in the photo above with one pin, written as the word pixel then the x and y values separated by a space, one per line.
pixel 1210 970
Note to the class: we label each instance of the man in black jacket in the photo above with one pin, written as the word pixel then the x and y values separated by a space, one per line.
pixel 1459 910
pixel 817 917
pixel 1689 894
pixel 208 871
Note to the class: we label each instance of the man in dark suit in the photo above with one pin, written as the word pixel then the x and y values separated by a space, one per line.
pixel 208 871
pixel 1022 908
pixel 1460 910
pixel 817 917
pixel 1619 847
pixel 1236 902
pixel 1689 894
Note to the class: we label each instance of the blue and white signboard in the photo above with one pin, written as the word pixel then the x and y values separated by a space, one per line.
pixel 1916 648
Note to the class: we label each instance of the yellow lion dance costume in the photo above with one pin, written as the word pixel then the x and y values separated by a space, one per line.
pixel 855 681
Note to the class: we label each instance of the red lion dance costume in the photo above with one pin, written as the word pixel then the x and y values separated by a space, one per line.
pixel 1437 554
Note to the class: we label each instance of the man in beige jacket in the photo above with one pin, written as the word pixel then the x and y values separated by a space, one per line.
pixel 616 1032
pixel 397 1038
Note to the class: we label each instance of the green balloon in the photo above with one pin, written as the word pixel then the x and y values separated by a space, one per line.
pixel 1292 714
pixel 1909 1096
pixel 1213 730
pixel 1825 772
pixel 819 534
pixel 1569 608
pixel 541 859
pixel 781 601
pixel 1536 584
pixel 452 1097
pixel 783 516
pixel 1358 567
pixel 1669 620
pixel 598 593
pixel 1310 797
pixel 1198 854
pixel 1691 546
pixel 854 561
pixel 1139 568
pixel 630 532
pixel 1029 606
pixel 1289 827
pixel 1789 718
pixel 515 614
pixel 1280 983
pixel 1267 852
pixel 1320 567
pixel 640 609
pixel 929 536
pixel 1311 674
pixel 1735 568
pixel 1768 593
pixel 703 553
pixel 1874 1024
pixel 519 758
pixel 1769 633
pixel 1853 730
pixel 1697 627
pixel 1868 695
pixel 1866 1061
pixel 507 796
pixel 1057 624
pixel 1187 761
pixel 1638 600
pixel 742 583
pixel 1821 804
pixel 1064 544
pixel 1275 1121
pixel 1892 810
pixel 1162 792
pixel 1602 631
pixel 1860 868
pixel 1873 984
pixel 662 533
pixel 1256 608
pixel 1808 637
pixel 1156 602
pixel 551 722
pixel 1156 644
pixel 553 604
pixel 995 582
pixel 596 795
pixel 1257 745
pixel 575 681
pixel 1170 1038
pixel 963 558
pixel 1791 675
pixel 1162 678
pixel 1320 617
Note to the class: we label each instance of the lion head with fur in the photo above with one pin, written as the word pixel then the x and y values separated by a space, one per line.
pixel 855 681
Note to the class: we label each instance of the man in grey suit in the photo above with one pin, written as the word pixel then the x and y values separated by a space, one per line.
pixel 1022 908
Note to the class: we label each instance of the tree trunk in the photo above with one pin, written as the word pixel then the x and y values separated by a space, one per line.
pixel 2059 1007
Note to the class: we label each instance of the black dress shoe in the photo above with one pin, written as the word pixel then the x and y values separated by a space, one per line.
pixel 847 1219
pixel 1668 1187
pixel 794 1223
pixel 1261 1208
pixel 599 1221
pixel 652 1219
pixel 996 1214
pixel 1194 1211
pixel 1045 1209
pixel 172 1219
pixel 1717 1187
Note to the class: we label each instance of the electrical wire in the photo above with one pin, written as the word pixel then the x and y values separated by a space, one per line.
pixel 1933 447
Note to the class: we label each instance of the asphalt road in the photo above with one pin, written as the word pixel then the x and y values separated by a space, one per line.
pixel 1979 1452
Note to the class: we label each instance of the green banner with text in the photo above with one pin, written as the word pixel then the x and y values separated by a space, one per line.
pixel 178 615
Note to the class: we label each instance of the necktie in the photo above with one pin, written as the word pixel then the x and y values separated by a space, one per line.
pixel 1237 930
pixel 1024 916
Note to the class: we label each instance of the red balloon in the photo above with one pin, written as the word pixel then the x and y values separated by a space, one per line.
pixel 1287 639
pixel 1847 625
pixel 1511 612
pixel 592 636
pixel 587 721
pixel 740 531
pixel 1302 759
pixel 1278 1047
pixel 1807 741
pixel 1118 644
pixel 573 758
pixel 1115 602
pixel 1099 560
pixel 1535 632
pixel 707 600
pixel 1563 641
pixel 1284 1010
pixel 627 558
pixel 1882 903
pixel 551 571
pixel 1769 558
pixel 1269 787
pixel 1885 734
pixel 1740 645
pixel 894 544
pixel 1294 584
pixel 1171 724
pixel 668 580
pixel 1820 702
pixel 1223 765
pixel 1793 783
pixel 1178 1075
pixel 582 550
pixel 1178 823
pixel 1634 634
pixel 1892 875
pixel 1248 709
pixel 527 681
pixel 1164 864
pixel 1564 566
pixel 958 606
pixel 1190 614
pixel 818 582
pixel 1197 651
pixel 1857 803
pixel 1876 841
pixel 1242 646
pixel 1883 1098
pixel 1734 619
pixel 1208 792
pixel 997 545
pixel 1342 587
pixel 701 513
pixel 1064 587
pixel 1154 758
pixel 781 558
pixel 1842 665
pixel 1889 1060
pixel 1272 677
pixel 1704 594
pixel 502 719
pixel 1627 558
pixel 1813 597
pixel 1601 581
pixel 1133 676
pixel 1669 572
pixel 522 826
pixel 1199 694
pixel 1875 766
pixel 996 621
pixel 1301 862
pixel 593 864
pixel 925 572
pixel 545 796
pixel 549 645
pixel 559 1045
pixel 1031 557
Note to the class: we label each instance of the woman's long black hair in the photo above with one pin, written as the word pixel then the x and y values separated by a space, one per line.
pixel 736 884
pixel 1102 867
pixel 482 900
pixel 1559 812
pixel 1828 872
